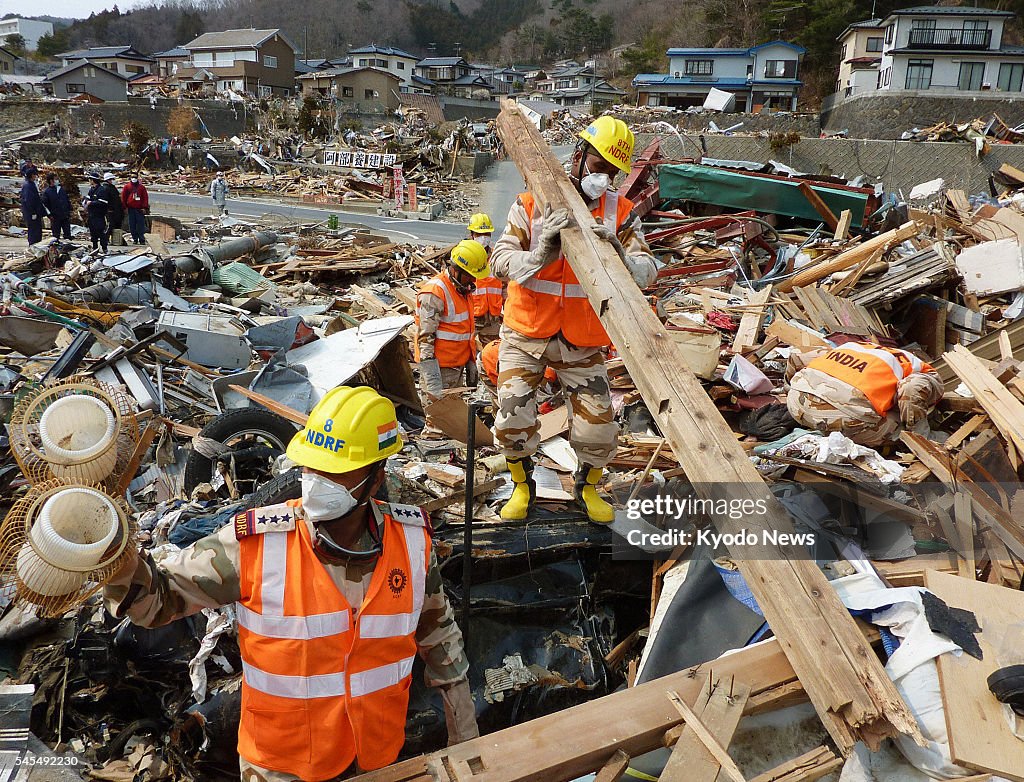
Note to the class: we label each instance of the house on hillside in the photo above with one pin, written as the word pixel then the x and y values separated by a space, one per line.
pixel 168 62
pixel 949 48
pixel 143 83
pixel 860 53
pixel 576 85
pixel 766 76
pixel 259 62
pixel 443 72
pixel 29 29
pixel 7 60
pixel 126 60
pixel 388 58
pixel 503 81
pixel 368 89
pixel 88 78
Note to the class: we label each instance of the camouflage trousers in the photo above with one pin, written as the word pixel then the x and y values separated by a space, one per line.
pixel 593 432
pixel 864 426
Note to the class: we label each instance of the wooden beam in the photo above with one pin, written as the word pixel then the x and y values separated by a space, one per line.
pixel 449 499
pixel 854 697
pixel 750 323
pixel 843 229
pixel 819 206
pixel 705 737
pixel 720 706
pixel 289 413
pixel 613 770
pixel 851 257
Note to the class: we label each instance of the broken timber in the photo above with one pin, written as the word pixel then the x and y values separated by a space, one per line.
pixel 852 694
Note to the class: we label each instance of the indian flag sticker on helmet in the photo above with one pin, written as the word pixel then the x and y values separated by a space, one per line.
pixel 387 435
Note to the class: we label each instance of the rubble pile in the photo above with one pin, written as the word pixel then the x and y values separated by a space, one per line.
pixel 221 334
pixel 980 132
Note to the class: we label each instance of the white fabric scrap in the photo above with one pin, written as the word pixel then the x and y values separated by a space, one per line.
pixel 218 622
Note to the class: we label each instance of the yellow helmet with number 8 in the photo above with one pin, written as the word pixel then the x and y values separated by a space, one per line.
pixel 348 429
pixel 612 139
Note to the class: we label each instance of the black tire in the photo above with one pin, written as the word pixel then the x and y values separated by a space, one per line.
pixel 249 421
pixel 286 486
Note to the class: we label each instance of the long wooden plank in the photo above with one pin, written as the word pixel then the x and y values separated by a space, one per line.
pixel 613 770
pixel 844 679
pixel 819 206
pixel 1005 410
pixel 979 737
pixel 987 348
pixel 750 323
pixel 686 748
pixel 719 707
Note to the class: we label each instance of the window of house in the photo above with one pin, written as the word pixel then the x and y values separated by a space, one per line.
pixel 922 24
pixel 362 62
pixel 780 69
pixel 401 65
pixel 369 94
pixel 699 67
pixel 7 65
pixel 888 33
pixel 346 92
pixel 919 74
pixel 265 91
pixel 874 44
pixel 269 61
pixel 74 89
pixel 975 32
pixel 971 74
pixel 1011 76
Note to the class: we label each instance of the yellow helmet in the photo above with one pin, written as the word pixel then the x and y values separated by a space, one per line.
pixel 349 428
pixel 612 139
pixel 480 224
pixel 471 256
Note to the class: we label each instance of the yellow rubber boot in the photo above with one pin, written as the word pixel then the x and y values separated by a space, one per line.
pixel 599 511
pixel 518 506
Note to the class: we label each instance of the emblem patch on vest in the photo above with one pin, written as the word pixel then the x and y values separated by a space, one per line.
pixel 272 518
pixel 397 579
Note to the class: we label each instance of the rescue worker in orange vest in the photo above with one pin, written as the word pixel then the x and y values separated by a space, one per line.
pixel 866 391
pixel 488 297
pixel 549 322
pixel 444 342
pixel 334 593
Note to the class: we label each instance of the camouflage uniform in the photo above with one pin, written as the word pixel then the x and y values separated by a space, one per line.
pixel 205 575
pixel 580 370
pixel 430 308
pixel 821 402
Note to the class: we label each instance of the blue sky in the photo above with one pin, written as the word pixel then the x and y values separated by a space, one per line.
pixel 74 8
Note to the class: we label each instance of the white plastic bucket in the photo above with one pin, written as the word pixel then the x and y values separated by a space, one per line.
pixel 74 528
pixel 77 434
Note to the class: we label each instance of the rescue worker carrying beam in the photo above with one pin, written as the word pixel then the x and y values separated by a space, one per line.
pixel 335 594
pixel 488 297
pixel 549 322
pixel 866 391
pixel 444 342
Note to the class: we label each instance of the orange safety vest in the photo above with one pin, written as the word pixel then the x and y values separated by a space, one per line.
pixel 873 370
pixel 488 297
pixel 321 687
pixel 453 342
pixel 552 300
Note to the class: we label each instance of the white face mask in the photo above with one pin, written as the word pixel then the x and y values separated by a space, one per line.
pixel 135 181
pixel 323 500
pixel 595 185
pixel 484 239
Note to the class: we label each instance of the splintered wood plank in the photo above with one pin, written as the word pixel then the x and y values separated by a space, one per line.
pixel 979 737
pixel 717 710
pixel 613 770
pixel 843 229
pixel 806 768
pixel 750 323
pixel 852 694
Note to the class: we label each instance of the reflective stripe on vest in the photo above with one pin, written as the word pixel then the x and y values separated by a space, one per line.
pixel 871 369
pixel 454 328
pixel 882 355
pixel 487 291
pixel 325 685
pixel 381 677
pixel 450 315
pixel 450 337
pixel 300 627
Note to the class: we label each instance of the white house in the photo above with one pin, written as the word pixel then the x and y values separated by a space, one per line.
pixel 949 48
pixel 861 47
pixel 763 76
pixel 29 29
pixel 388 58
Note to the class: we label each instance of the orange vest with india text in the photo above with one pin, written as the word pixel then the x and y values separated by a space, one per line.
pixel 553 300
pixel 453 342
pixel 324 685
pixel 873 370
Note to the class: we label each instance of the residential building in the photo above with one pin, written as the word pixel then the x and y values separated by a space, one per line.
pixel 126 60
pixel 29 29
pixel 387 58
pixel 363 88
pixel 7 60
pixel 859 57
pixel 471 85
pixel 503 81
pixel 949 48
pixel 443 71
pixel 142 84
pixel 88 78
pixel 766 76
pixel 576 85
pixel 168 62
pixel 259 62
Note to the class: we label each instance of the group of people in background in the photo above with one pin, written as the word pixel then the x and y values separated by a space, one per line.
pixel 105 206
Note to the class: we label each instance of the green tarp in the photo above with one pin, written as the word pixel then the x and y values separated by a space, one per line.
pixel 738 190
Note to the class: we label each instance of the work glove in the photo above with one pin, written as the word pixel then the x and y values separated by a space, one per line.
pixel 916 395
pixel 549 244
pixel 606 234
pixel 459 713
pixel 430 378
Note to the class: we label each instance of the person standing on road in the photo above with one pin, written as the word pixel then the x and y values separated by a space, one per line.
pixel 115 210
pixel 549 321
pixel 135 198
pixel 96 211
pixel 335 595
pixel 32 209
pixel 219 193
pixel 55 199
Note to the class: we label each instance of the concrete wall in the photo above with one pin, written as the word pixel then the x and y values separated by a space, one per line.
pixel 898 165
pixel 457 108
pixel 17 115
pixel 222 119
pixel 73 153
pixel 887 115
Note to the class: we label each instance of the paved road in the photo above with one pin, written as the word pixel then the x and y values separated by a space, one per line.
pixel 402 230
